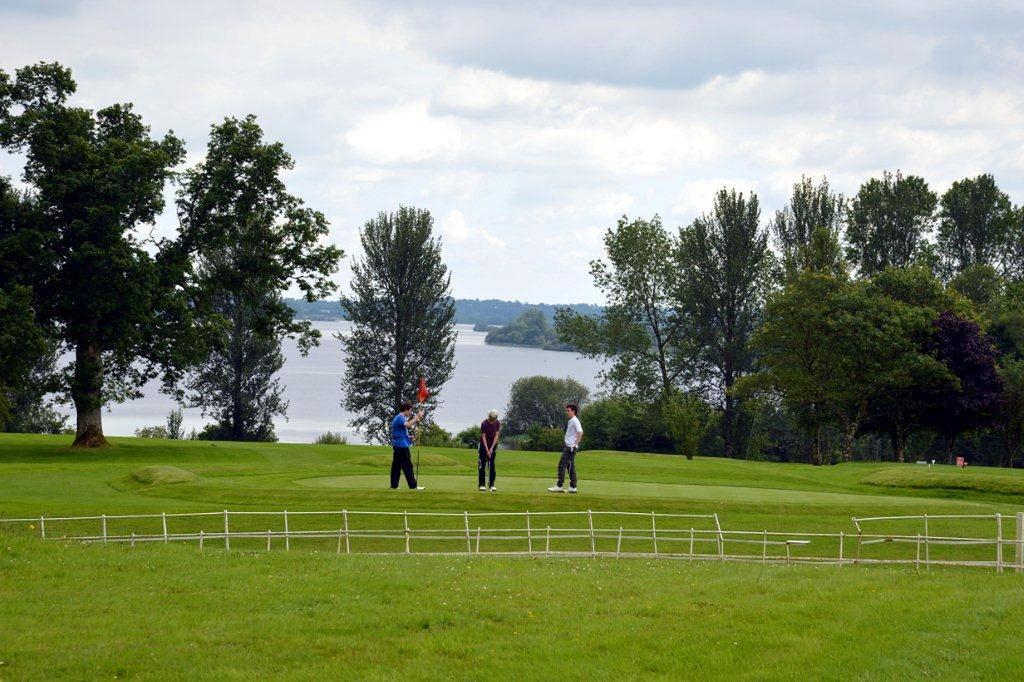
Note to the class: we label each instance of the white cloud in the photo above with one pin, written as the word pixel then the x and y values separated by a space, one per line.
pixel 404 134
pixel 455 230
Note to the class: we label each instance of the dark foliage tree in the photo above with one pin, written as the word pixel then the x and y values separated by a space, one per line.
pixel 969 355
pixel 724 275
pixel 252 241
pixel 403 320
pixel 96 177
pixel 640 330
pixel 975 218
pixel 540 401
pixel 812 220
pixel 886 222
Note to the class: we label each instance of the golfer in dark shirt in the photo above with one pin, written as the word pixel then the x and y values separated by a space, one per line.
pixel 490 429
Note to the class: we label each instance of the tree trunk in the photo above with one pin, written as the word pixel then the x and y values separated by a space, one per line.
pixel 87 393
pixel 816 457
pixel 949 442
pixel 899 443
pixel 850 426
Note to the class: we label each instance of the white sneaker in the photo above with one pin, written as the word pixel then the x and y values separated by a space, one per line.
pixel 420 487
pixel 483 488
pixel 493 488
pixel 571 489
pixel 556 489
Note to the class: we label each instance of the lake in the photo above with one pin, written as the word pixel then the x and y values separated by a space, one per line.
pixel 312 385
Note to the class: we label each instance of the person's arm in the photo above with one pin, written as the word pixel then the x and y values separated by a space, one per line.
pixel 483 439
pixel 410 422
pixel 579 434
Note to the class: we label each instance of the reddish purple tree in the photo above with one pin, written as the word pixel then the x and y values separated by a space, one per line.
pixel 970 356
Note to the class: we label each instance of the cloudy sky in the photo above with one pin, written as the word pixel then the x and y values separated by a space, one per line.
pixel 527 128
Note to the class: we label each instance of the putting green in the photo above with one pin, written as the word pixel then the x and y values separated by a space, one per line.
pixel 599 488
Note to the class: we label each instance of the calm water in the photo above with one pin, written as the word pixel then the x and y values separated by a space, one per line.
pixel 482 379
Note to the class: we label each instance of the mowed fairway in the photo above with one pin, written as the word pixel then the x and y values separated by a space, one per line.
pixel 93 611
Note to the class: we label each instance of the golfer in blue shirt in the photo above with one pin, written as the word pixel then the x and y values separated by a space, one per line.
pixel 401 444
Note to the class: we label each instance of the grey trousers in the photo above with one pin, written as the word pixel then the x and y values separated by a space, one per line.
pixel 568 461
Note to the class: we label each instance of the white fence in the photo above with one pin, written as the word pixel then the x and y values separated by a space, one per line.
pixel 567 533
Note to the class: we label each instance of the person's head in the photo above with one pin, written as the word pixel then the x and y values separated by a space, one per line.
pixel 405 408
pixel 571 409
pixel 492 415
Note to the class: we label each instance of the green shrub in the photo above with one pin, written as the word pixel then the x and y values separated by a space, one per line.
pixel 151 432
pixel 330 438
pixel 470 437
pixel 544 438
pixel 432 435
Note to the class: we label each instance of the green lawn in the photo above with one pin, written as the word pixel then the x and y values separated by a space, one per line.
pixel 71 610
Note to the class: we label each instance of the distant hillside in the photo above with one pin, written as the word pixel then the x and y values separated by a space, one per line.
pixel 488 312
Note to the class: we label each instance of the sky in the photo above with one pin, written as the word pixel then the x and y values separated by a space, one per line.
pixel 527 129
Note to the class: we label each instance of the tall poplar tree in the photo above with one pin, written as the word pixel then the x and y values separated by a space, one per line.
pixel 252 242
pixel 975 221
pixel 97 176
pixel 887 221
pixel 403 320
pixel 724 276
pixel 814 216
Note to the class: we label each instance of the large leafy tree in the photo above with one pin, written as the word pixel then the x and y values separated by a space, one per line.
pixel 887 220
pixel 813 218
pixel 403 320
pixel 252 241
pixel 975 221
pixel 641 330
pixel 974 402
pixel 97 176
pixel 724 275
pixel 899 410
pixel 827 346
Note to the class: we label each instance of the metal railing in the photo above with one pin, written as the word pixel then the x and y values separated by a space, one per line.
pixel 558 533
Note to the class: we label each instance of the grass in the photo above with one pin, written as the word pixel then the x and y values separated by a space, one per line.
pixel 70 610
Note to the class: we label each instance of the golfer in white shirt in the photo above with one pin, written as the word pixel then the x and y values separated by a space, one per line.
pixel 573 436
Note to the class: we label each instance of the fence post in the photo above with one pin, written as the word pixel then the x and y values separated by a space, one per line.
pixel 344 516
pixel 268 539
pixel 133 539
pixel 841 538
pixel 618 545
pixel 654 532
pixel 405 517
pixel 529 537
pixel 42 527
pixel 590 524
pixel 469 543
pixel 917 559
pixel 200 539
pixel 163 518
pixel 1020 541
pixel 927 547
pixel 287 534
pixel 547 542
pixel 104 528
pixel 340 533
pixel 691 542
pixel 227 536
pixel 721 540
pixel 478 539
pixel 999 543
pixel 764 546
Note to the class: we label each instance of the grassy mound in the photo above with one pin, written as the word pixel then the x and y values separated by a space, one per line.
pixel 384 460
pixel 161 475
pixel 929 479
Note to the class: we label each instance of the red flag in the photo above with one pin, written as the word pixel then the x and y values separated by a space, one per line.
pixel 424 392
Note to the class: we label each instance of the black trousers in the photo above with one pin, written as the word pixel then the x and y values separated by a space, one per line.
pixel 482 465
pixel 568 461
pixel 401 462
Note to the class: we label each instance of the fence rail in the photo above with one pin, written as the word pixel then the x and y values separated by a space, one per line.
pixel 559 533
